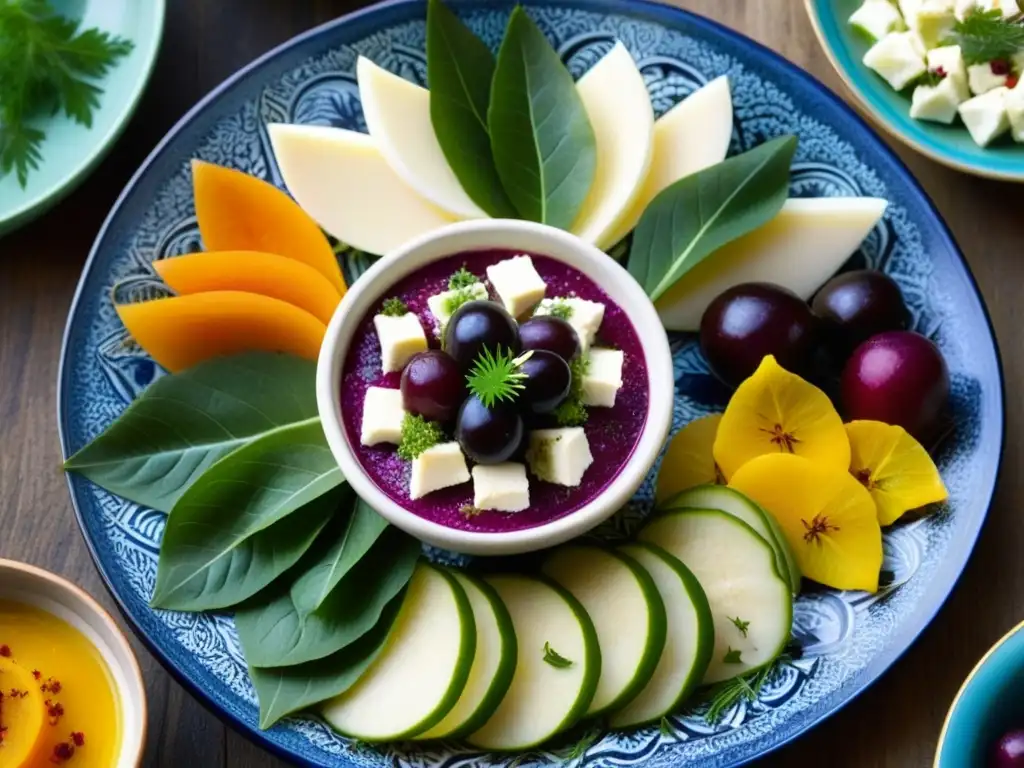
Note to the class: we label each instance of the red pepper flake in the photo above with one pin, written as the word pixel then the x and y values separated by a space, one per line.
pixel 5 651
pixel 15 693
pixel 940 72
pixel 1012 80
pixel 78 738
pixel 62 753
pixel 51 686
pixel 36 674
pixel 55 711
pixel 999 66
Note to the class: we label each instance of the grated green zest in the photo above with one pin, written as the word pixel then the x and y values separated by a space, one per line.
pixel 572 412
pixel 496 377
pixel 560 309
pixel 418 435
pixel 394 307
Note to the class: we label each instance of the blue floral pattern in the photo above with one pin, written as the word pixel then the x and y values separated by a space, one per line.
pixel 846 639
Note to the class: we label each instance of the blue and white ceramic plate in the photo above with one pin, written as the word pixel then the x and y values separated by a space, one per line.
pixel 847 639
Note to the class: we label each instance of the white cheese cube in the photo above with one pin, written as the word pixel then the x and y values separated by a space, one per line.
pixel 1007 7
pixel 949 60
pixel 383 413
pixel 436 468
pixel 937 103
pixel 909 9
pixel 439 303
pixel 876 18
pixel 517 284
pixel 1014 100
pixel 985 116
pixel 898 58
pixel 934 21
pixel 584 316
pixel 502 487
pixel 559 456
pixel 982 79
pixel 400 337
pixel 603 378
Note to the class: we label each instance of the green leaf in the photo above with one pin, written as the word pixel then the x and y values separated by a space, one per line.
pixel 362 528
pixel 541 137
pixel 697 215
pixel 459 72
pixel 212 556
pixel 732 656
pixel 554 658
pixel 185 422
pixel 985 35
pixel 285 690
pixel 274 633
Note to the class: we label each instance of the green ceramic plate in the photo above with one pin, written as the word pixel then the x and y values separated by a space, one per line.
pixel 947 144
pixel 70 151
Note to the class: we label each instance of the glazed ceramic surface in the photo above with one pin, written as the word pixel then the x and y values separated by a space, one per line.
pixel 845 639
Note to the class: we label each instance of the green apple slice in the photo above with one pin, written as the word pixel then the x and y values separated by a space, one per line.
pixel 493 664
pixel 688 644
pixel 628 614
pixel 557 668
pixel 422 670
pixel 751 604
pixel 732 502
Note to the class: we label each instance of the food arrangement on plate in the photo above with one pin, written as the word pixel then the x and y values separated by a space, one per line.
pixel 501 387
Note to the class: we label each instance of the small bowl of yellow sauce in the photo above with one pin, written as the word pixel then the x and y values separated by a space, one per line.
pixel 71 692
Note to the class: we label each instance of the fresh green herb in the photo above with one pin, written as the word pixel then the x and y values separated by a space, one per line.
pixel 47 64
pixel 561 309
pixel 741 625
pixel 459 72
pixel 984 36
pixel 497 377
pixel 394 307
pixel 583 743
pixel 724 695
pixel 697 215
pixel 931 78
pixel 457 298
pixel 541 138
pixel 572 412
pixel 462 278
pixel 554 658
pixel 418 435
pixel 732 656
pixel 666 729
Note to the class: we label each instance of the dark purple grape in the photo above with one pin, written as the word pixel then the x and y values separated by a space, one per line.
pixel 552 334
pixel 476 325
pixel 433 386
pixel 1008 752
pixel 488 435
pixel 752 320
pixel 854 306
pixel 547 381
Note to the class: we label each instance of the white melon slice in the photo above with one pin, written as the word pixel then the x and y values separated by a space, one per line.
pixel 397 114
pixel 801 248
pixel 751 604
pixel 493 665
pixel 422 670
pixel 688 643
pixel 558 664
pixel 615 97
pixel 341 179
pixel 690 137
pixel 628 615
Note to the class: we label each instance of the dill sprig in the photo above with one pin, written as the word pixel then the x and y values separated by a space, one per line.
pixel 394 307
pixel 985 36
pixel 572 412
pixel 418 435
pixel 554 658
pixel 741 625
pixel 462 278
pixel 497 377
pixel 726 694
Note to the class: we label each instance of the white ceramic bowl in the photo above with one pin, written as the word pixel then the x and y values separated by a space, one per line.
pixel 32 586
pixel 525 237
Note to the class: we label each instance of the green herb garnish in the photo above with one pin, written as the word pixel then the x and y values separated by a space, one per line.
pixel 985 35
pixel 741 625
pixel 46 65
pixel 931 78
pixel 732 656
pixel 457 299
pixel 497 377
pixel 724 695
pixel 462 278
pixel 554 658
pixel 418 435
pixel 561 309
pixel 665 728
pixel 585 742
pixel 394 307
pixel 572 412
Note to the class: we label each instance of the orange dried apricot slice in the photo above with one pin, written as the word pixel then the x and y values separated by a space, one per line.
pixel 689 460
pixel 184 330
pixel 238 212
pixel 775 411
pixel 895 468
pixel 828 517
pixel 252 272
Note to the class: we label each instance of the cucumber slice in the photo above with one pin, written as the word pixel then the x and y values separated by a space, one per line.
pixel 751 604
pixel 558 664
pixel 493 664
pixel 732 502
pixel 420 673
pixel 628 614
pixel 688 645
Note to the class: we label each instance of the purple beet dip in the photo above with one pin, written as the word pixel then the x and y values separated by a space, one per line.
pixel 611 432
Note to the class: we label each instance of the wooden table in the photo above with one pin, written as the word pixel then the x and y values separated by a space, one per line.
pixel 895 723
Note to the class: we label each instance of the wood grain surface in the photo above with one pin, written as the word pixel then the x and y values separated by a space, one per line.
pixel 895 723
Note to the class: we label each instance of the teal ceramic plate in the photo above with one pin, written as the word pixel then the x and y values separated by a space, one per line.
pixel 71 151
pixel 990 703
pixel 947 144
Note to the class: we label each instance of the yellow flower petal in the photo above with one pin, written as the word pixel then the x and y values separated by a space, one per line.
pixel 689 460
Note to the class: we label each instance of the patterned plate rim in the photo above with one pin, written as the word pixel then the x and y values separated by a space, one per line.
pixel 658 13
